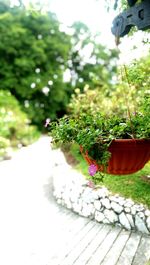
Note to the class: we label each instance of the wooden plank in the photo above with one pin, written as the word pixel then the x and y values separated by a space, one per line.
pixel 76 252
pixel 65 249
pixel 117 247
pixel 67 221
pixel 103 248
pixel 77 226
pixel 130 249
pixel 72 230
pixel 91 248
pixel 143 252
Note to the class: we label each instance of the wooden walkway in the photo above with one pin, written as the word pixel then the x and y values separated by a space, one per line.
pixel 82 241
pixel 34 230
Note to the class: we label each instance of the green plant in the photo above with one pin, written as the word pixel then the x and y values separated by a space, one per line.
pixel 101 115
pixel 4 144
pixel 95 132
pixel 128 89
pixel 15 127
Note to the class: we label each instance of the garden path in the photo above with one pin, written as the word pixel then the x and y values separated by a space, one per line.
pixel 34 230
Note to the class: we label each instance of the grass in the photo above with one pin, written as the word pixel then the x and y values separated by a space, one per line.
pixel 130 186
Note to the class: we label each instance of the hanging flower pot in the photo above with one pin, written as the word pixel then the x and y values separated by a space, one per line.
pixel 114 144
pixel 127 156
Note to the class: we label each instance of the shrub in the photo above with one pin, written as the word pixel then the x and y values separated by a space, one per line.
pixel 4 144
pixel 128 91
pixel 15 127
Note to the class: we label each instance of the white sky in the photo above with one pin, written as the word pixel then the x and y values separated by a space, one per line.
pixel 91 12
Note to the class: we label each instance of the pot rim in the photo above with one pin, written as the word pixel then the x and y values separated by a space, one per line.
pixel 131 140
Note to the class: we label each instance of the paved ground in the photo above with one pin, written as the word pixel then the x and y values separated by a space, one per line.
pixel 34 230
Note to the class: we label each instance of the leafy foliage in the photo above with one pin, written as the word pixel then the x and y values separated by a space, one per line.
pixel 4 145
pixel 15 127
pixel 30 66
pixel 139 74
pixel 129 88
pixel 95 133
pixel 33 66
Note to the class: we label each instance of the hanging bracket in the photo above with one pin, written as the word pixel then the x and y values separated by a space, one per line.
pixel 138 15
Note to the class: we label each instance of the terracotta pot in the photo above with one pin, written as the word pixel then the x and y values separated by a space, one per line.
pixel 127 156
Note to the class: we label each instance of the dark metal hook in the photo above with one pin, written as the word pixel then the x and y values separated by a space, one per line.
pixel 138 15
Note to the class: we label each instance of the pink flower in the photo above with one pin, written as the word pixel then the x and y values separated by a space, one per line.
pixel 47 122
pixel 92 169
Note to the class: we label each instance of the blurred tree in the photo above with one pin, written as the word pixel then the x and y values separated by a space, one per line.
pixel 33 57
pixel 36 54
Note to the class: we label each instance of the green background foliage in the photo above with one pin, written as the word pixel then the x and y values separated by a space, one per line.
pixel 15 128
pixel 30 47
pixel 35 53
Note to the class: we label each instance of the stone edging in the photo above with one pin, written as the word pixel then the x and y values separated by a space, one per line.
pixel 71 191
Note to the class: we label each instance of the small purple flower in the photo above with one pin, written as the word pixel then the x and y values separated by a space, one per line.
pixel 47 122
pixel 92 169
